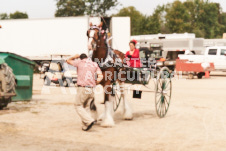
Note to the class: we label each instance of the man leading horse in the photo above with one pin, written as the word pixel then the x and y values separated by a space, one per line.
pixel 97 44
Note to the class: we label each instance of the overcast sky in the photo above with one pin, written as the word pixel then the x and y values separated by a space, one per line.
pixel 47 8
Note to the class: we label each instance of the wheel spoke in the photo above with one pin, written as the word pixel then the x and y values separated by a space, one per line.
pixel 159 90
pixel 166 101
pixel 167 95
pixel 160 111
pixel 168 88
pixel 160 83
pixel 163 108
pixel 160 87
pixel 159 93
pixel 167 107
pixel 167 84
pixel 158 101
pixel 161 105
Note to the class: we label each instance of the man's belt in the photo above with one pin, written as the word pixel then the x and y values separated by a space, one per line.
pixel 85 86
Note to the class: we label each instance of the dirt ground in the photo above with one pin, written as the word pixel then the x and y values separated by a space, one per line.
pixel 195 121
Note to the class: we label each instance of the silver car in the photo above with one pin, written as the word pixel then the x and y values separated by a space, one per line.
pixel 59 72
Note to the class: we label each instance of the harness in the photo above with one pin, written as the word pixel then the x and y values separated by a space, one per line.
pixel 108 61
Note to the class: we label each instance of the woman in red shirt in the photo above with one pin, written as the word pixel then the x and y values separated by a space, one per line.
pixel 133 55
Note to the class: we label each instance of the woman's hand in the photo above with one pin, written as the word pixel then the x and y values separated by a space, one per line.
pixel 129 56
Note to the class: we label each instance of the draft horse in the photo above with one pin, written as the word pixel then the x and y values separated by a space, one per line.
pixel 98 45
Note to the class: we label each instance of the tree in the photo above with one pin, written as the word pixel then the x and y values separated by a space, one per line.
pixel 207 19
pixel 4 16
pixel 99 7
pixel 201 17
pixel 222 21
pixel 18 15
pixel 67 8
pixel 198 16
pixel 177 17
pixel 84 7
pixel 156 22
pixel 136 19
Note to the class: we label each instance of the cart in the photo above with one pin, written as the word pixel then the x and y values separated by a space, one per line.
pixel 193 69
pixel 162 81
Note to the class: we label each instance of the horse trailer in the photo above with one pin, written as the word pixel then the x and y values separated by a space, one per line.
pixel 43 40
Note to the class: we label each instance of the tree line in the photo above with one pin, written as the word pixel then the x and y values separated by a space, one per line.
pixel 15 15
pixel 201 17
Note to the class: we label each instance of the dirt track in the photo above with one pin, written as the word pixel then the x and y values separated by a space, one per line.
pixel 195 121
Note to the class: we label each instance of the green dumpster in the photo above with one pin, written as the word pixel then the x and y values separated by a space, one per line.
pixel 23 71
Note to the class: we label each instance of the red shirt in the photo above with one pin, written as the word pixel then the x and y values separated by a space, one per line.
pixel 134 61
pixel 86 70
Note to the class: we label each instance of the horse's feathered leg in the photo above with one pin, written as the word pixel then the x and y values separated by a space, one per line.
pixel 108 120
pixel 102 116
pixel 127 111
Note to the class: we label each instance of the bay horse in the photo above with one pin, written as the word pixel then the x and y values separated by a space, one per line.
pixel 97 44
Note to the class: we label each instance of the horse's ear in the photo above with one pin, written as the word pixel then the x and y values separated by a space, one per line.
pixel 101 24
pixel 90 24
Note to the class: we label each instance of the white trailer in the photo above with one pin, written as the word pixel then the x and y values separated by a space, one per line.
pixel 163 36
pixel 214 42
pixel 45 39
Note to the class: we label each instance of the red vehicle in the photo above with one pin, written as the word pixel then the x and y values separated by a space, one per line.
pixel 194 68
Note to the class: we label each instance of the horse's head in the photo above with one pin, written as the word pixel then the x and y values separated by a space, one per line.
pixel 94 36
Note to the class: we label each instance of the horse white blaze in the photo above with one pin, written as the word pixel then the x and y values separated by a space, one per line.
pixel 108 120
pixel 91 35
pixel 127 111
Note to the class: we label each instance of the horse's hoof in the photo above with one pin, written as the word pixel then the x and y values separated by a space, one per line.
pixel 128 116
pixel 107 125
pixel 101 117
pixel 108 122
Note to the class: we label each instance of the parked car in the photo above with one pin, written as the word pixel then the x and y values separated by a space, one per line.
pixel 59 72
pixel 216 55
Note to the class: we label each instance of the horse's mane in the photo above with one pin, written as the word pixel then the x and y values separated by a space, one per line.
pixel 119 53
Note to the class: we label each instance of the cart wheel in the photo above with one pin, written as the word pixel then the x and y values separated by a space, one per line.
pixel 190 76
pixel 200 74
pixel 66 82
pixel 47 81
pixel 116 92
pixel 163 92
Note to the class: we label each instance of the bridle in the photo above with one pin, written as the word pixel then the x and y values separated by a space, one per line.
pixel 96 40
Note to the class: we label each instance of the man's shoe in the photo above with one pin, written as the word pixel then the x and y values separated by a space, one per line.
pixel 88 127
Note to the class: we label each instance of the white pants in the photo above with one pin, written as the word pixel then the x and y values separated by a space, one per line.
pixel 82 104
